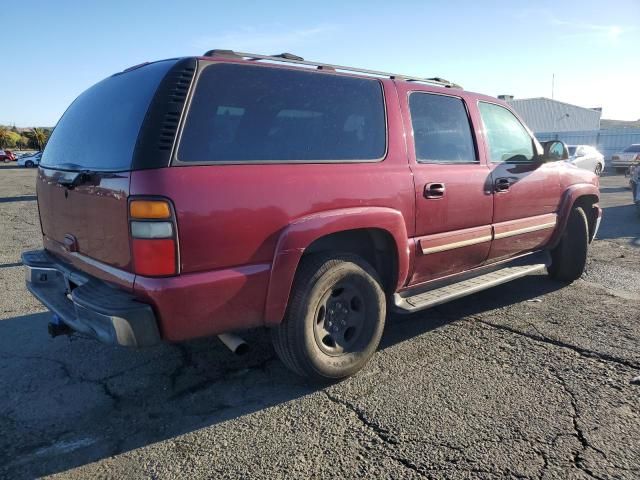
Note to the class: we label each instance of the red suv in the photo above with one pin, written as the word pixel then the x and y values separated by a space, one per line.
pixel 236 190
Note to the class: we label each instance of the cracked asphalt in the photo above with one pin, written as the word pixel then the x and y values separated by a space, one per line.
pixel 533 379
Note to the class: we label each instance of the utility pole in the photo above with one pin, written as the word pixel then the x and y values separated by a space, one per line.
pixel 553 81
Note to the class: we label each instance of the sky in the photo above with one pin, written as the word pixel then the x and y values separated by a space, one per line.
pixel 53 50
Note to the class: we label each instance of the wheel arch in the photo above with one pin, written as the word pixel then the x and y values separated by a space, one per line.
pixel 585 196
pixel 367 231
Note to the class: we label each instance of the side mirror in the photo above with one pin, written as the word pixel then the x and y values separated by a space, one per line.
pixel 555 150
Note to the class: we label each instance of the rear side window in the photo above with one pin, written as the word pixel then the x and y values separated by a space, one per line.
pixel 100 129
pixel 441 129
pixel 245 113
pixel 508 140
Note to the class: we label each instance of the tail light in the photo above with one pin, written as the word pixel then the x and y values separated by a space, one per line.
pixel 154 237
pixel 637 158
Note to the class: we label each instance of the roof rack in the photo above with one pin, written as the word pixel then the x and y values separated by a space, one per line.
pixel 291 58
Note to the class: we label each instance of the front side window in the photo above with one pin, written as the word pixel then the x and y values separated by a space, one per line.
pixel 632 149
pixel 441 129
pixel 245 113
pixel 507 139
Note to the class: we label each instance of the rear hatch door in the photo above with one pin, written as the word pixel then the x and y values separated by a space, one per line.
pixel 84 175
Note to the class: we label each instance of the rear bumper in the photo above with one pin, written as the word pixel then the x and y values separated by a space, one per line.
pixel 89 305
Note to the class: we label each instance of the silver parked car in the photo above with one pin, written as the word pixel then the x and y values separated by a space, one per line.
pixel 623 160
pixel 587 157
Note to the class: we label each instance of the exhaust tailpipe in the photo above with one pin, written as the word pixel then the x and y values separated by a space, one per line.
pixel 234 343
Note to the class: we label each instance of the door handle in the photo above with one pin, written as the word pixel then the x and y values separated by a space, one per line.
pixel 502 185
pixel 434 190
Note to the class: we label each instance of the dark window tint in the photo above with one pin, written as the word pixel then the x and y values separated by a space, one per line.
pixel 245 113
pixel 508 140
pixel 572 150
pixel 632 149
pixel 441 129
pixel 100 128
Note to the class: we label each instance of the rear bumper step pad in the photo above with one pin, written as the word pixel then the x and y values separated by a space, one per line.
pixel 89 305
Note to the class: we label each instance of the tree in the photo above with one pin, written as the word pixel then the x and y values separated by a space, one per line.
pixel 4 136
pixel 39 137
pixel 23 142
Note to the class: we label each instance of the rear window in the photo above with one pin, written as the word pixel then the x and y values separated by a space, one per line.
pixel 100 128
pixel 632 149
pixel 245 113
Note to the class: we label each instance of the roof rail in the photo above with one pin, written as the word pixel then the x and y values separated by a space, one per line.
pixel 291 58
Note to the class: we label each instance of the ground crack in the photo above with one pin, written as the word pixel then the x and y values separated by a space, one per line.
pixel 577 458
pixel 550 341
pixel 381 432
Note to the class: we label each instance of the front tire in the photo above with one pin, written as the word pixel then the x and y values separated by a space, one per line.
pixel 28 164
pixel 598 169
pixel 334 320
pixel 569 257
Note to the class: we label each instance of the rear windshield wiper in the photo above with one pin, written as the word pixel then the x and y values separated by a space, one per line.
pixel 77 178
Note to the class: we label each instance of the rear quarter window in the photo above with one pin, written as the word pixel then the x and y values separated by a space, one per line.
pixel 260 114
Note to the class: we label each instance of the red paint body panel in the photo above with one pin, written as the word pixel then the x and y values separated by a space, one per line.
pixel 207 303
pixel 100 270
pixel 94 213
pixel 466 203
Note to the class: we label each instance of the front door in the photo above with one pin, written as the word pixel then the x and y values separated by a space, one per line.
pixel 453 197
pixel 527 192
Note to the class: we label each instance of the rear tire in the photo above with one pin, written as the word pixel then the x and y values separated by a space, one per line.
pixel 334 320
pixel 569 257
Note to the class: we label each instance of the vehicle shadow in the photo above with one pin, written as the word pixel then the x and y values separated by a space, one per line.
pixel 621 221
pixel 69 402
pixel 19 198
pixel 9 265
pixel 10 167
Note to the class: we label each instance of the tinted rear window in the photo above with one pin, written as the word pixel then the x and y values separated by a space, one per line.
pixel 100 128
pixel 244 113
pixel 441 129
pixel 632 149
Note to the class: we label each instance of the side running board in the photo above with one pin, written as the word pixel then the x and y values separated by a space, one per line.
pixel 430 297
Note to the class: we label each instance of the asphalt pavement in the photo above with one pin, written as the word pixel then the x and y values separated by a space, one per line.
pixel 532 379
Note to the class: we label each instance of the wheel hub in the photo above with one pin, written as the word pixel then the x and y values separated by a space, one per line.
pixel 339 320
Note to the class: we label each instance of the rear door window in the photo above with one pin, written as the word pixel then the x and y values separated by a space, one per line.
pixel 254 114
pixel 441 129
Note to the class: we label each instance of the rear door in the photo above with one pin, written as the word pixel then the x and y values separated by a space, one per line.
pixel 527 192
pixel 97 135
pixel 453 205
